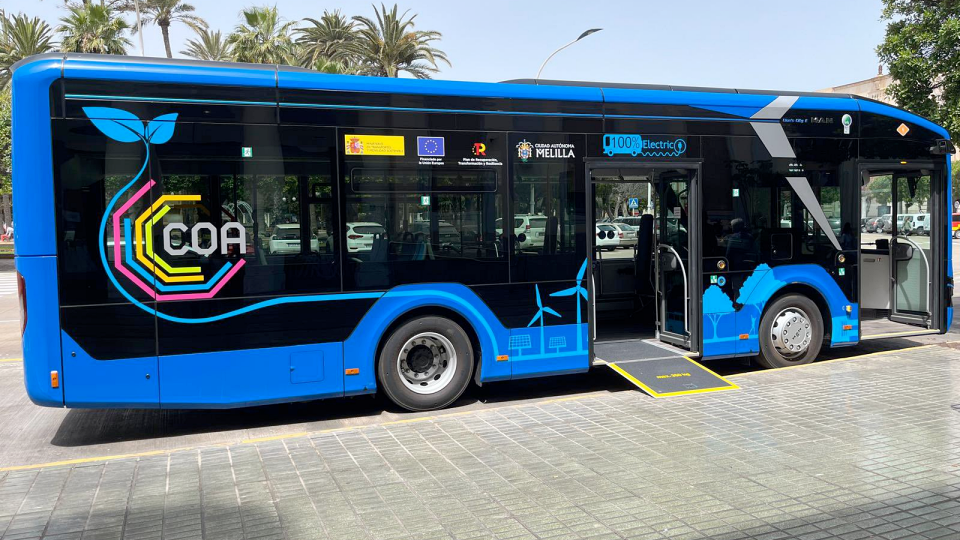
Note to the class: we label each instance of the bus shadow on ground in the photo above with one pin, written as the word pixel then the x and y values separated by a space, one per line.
pixel 82 427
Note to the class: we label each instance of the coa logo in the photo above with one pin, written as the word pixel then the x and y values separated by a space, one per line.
pixel 354 146
pixel 524 150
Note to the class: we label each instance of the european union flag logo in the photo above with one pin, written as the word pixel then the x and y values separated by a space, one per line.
pixel 430 146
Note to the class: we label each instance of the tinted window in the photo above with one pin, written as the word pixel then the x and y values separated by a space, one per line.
pixel 422 207
pixel 546 172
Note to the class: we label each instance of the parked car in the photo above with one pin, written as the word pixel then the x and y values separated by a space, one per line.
pixel 360 235
pixel 904 224
pixel 626 233
pixel 921 224
pixel 955 224
pixel 286 240
pixel 449 235
pixel 875 224
pixel 607 237
pixel 533 227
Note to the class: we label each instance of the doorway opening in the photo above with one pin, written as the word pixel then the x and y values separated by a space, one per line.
pixel 643 271
pixel 897 232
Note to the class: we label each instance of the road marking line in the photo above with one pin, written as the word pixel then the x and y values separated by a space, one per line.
pixel 11 359
pixel 590 395
pixel 274 437
pixel 821 362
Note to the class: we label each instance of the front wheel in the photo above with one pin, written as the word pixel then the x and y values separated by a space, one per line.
pixel 426 364
pixel 791 332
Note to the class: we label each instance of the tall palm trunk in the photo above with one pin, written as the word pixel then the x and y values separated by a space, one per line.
pixel 165 30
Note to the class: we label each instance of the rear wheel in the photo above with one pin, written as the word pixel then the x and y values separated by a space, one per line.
pixel 426 364
pixel 791 332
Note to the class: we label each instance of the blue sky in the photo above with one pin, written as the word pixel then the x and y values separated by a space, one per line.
pixel 769 44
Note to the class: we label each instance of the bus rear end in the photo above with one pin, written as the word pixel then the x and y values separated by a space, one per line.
pixel 35 229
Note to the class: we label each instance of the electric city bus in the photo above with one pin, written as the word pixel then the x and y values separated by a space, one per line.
pixel 199 235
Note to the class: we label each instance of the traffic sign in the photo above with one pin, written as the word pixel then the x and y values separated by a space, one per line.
pixel 633 202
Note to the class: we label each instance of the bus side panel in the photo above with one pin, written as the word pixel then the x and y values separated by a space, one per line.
pixel 360 349
pixel 34 224
pixel 41 339
pixel 251 377
pixel 92 383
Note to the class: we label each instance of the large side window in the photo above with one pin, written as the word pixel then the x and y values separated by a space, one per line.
pixel 427 213
pixel 245 192
pixel 548 239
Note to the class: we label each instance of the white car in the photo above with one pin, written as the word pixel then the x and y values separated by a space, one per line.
pixel 607 237
pixel 360 235
pixel 627 234
pixel 532 227
pixel 286 240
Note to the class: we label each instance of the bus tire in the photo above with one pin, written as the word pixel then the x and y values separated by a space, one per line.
pixel 791 332
pixel 426 364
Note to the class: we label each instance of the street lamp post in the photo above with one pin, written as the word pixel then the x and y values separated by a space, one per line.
pixel 583 35
pixel 136 5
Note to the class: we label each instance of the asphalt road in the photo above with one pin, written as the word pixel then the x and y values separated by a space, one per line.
pixel 33 435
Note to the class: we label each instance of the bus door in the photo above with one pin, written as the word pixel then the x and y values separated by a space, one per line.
pixel 903 244
pixel 678 260
pixel 910 248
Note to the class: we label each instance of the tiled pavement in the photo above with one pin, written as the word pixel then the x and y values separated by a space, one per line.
pixel 864 448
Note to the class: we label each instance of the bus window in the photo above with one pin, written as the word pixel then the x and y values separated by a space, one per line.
pixel 548 238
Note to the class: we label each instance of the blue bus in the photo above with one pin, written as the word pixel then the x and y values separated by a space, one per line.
pixel 201 235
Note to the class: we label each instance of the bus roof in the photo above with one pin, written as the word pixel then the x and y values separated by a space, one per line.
pixel 737 102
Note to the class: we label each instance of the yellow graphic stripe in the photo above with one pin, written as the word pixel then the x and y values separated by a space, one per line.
pixel 156 256
pixel 139 225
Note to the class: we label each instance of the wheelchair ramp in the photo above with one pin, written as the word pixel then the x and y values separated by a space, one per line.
pixel 659 371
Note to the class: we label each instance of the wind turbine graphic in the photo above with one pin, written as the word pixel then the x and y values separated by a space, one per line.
pixel 541 309
pixel 577 291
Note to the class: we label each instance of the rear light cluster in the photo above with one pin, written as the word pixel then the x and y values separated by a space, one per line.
pixel 354 236
pixel 22 295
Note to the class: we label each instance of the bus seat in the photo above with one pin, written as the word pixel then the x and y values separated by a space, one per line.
pixel 644 258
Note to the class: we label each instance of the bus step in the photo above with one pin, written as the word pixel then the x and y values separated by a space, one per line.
pixel 671 376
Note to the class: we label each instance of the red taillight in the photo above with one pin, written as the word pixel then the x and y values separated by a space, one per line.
pixel 528 226
pixel 354 236
pixel 620 235
pixel 22 294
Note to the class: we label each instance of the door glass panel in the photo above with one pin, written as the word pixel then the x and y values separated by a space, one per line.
pixel 674 259
pixel 911 254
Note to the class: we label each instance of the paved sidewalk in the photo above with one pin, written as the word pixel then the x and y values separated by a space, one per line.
pixel 863 448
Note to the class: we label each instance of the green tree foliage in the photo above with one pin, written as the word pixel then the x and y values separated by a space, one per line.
pixel 93 28
pixel 208 45
pixel 389 44
pixel 328 44
pixel 20 37
pixel 263 38
pixel 163 13
pixel 6 161
pixel 922 49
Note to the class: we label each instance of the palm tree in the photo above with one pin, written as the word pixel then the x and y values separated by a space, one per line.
pixel 20 37
pixel 390 44
pixel 330 40
pixel 163 13
pixel 208 46
pixel 93 28
pixel 264 39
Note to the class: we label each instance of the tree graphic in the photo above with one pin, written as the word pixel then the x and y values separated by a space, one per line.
pixel 716 305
